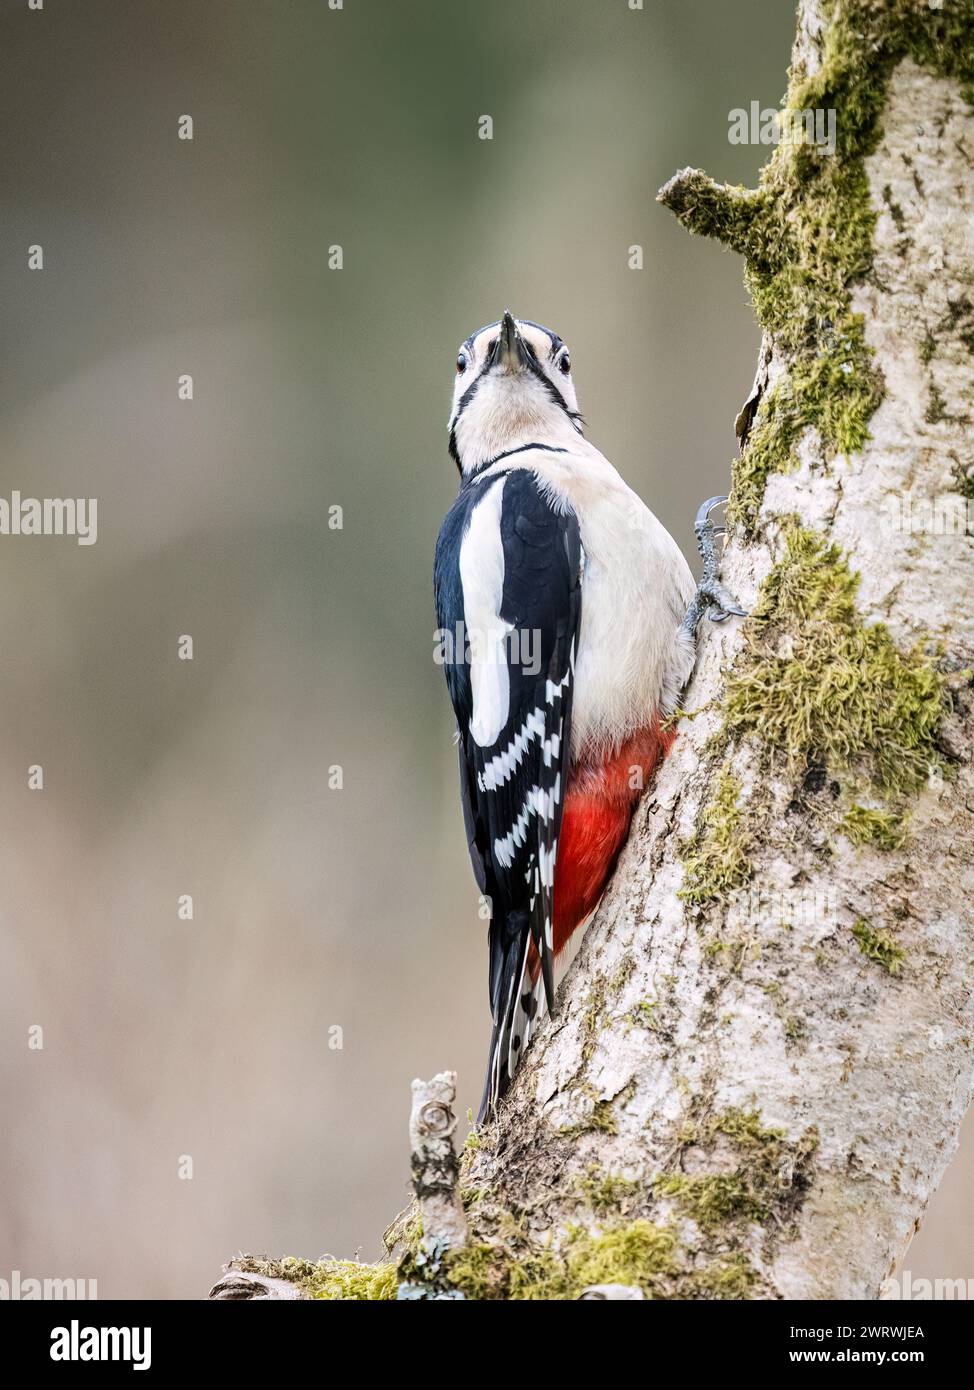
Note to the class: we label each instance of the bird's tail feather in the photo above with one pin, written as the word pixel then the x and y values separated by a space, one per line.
pixel 521 1017
pixel 519 1002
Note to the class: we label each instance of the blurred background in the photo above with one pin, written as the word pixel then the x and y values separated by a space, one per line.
pixel 313 908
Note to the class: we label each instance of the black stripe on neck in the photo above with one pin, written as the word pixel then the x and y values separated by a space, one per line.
pixel 534 366
pixel 509 453
pixel 462 404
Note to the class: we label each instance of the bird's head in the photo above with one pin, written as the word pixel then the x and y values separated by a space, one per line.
pixel 513 387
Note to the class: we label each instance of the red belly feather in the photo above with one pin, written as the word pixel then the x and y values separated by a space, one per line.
pixel 595 822
pixel 599 804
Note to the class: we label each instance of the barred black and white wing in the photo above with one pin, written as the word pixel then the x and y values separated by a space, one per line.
pixel 508 579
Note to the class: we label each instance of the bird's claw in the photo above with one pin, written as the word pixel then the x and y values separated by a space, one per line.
pixel 719 603
pixel 711 596
pixel 702 523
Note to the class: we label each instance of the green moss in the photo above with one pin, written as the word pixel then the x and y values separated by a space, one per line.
pixel 936 406
pixel 957 321
pixel 601 1119
pixel 620 977
pixel 964 482
pixel 329 1279
pixel 744 1127
pixel 717 858
pixel 403 1234
pixel 895 209
pixel 512 1264
pixel 735 951
pixel 816 685
pixel 711 1199
pixel 605 1192
pixel 835 392
pixel 604 989
pixel 347 1279
pixel 795 1029
pixel 733 1278
pixel 729 213
pixel 592 1015
pixel 793 1026
pixel 865 826
pixel 806 232
pixel 817 229
pixel 639 1253
pixel 636 1253
pixel 772 1174
pixel 768 1181
pixel 879 945
pixel 483 1270
pixel 643 1014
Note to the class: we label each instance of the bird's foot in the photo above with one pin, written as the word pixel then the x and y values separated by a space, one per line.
pixel 711 597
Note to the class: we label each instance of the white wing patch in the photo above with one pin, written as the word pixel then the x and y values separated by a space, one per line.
pixel 482 578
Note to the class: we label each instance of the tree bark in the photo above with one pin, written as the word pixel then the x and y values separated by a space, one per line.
pixel 763 1054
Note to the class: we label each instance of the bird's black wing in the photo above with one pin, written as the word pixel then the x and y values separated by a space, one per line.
pixel 514 735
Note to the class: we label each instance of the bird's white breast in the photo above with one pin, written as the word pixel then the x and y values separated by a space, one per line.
pixel 631 660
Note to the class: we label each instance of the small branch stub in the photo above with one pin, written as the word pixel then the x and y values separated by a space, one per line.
pixel 711 209
pixel 435 1168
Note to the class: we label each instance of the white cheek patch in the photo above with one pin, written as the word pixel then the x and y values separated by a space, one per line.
pixel 482 578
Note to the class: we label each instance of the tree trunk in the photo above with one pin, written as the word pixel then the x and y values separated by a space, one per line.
pixel 762 1057
pixel 763 1054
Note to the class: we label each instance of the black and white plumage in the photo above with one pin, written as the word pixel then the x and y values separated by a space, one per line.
pixel 562 595
pixel 508 576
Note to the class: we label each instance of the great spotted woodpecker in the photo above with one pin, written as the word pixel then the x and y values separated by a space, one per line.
pixel 571 611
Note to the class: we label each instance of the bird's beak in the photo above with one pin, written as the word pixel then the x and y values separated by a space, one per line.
pixel 509 350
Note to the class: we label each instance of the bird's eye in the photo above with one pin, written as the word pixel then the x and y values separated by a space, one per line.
pixel 461 363
pixel 565 363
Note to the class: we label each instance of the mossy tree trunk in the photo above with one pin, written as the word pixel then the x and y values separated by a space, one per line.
pixel 764 1051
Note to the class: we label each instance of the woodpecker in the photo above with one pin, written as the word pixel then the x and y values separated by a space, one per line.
pixel 570 615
